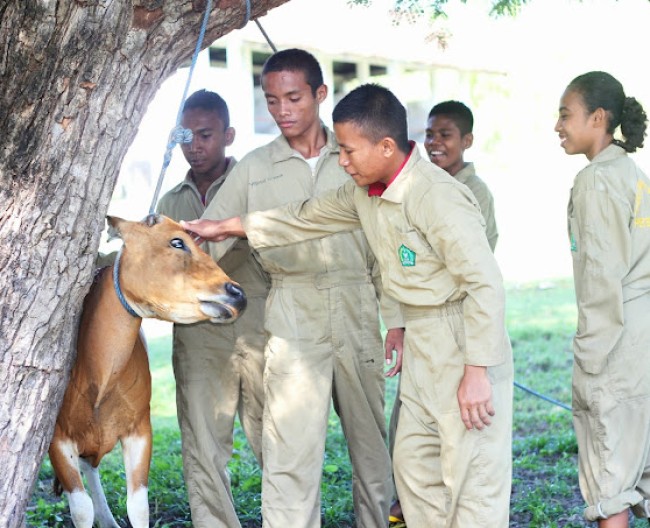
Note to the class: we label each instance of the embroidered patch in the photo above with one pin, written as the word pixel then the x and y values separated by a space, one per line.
pixel 574 244
pixel 642 191
pixel 406 256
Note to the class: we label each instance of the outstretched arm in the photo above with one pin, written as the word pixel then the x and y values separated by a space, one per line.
pixel 214 230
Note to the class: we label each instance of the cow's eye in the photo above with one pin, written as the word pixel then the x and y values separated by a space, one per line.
pixel 177 243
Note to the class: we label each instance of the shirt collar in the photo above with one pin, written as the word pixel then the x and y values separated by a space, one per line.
pixel 378 188
pixel 610 152
pixel 280 150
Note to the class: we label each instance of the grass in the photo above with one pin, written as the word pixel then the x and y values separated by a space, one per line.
pixel 541 321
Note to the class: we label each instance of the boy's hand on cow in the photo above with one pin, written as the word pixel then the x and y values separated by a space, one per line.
pixel 475 398
pixel 203 230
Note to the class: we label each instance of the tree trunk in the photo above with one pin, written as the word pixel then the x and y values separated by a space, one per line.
pixel 76 79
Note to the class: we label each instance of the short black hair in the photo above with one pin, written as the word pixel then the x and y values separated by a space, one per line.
pixel 295 60
pixel 377 111
pixel 458 112
pixel 209 101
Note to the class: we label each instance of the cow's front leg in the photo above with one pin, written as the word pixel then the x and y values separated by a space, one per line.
pixel 137 458
pixel 64 457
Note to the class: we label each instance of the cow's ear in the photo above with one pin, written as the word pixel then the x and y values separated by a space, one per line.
pixel 152 219
pixel 114 227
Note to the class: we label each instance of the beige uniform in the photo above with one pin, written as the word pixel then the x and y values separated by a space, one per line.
pixel 429 238
pixel 467 176
pixel 325 344
pixel 609 233
pixel 219 372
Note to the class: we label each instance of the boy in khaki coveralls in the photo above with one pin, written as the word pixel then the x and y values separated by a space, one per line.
pixel 609 236
pixel 322 314
pixel 218 368
pixel 453 447
pixel 448 134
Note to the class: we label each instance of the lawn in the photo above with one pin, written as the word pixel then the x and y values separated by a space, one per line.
pixel 540 319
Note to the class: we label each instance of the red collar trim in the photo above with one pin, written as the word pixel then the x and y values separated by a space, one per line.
pixel 378 188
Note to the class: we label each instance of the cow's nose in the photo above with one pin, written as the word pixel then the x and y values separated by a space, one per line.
pixel 237 294
pixel 235 290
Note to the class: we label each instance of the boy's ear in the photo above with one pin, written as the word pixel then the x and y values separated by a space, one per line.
pixel 467 140
pixel 388 146
pixel 230 136
pixel 321 93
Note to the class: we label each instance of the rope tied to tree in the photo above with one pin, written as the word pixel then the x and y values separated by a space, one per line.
pixel 179 134
pixel 275 50
pixel 247 17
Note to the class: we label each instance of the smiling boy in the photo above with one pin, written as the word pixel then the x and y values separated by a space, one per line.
pixel 449 132
pixel 448 135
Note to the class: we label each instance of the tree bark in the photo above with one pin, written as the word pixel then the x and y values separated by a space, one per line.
pixel 76 77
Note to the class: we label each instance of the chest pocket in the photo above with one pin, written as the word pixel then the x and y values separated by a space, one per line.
pixel 413 258
pixel 411 241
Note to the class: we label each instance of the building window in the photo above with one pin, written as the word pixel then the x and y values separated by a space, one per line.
pixel 377 70
pixel 264 123
pixel 218 58
pixel 343 73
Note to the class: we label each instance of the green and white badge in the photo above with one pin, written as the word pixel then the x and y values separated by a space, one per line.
pixel 406 256
pixel 574 244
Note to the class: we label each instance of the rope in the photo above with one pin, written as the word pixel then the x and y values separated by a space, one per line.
pixel 178 133
pixel 248 14
pixel 534 393
pixel 275 50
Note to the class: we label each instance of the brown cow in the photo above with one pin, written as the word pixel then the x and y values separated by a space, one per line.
pixel 160 272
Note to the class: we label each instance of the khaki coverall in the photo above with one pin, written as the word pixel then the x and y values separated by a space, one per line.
pixel 609 233
pixel 325 344
pixel 429 238
pixel 467 176
pixel 219 372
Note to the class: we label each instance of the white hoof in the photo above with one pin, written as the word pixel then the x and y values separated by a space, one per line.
pixel 81 509
pixel 137 506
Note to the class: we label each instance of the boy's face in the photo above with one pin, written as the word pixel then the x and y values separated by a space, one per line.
pixel 362 159
pixel 445 144
pixel 207 151
pixel 291 102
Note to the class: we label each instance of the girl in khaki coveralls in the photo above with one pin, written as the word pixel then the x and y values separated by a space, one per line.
pixel 609 233
pixel 453 446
